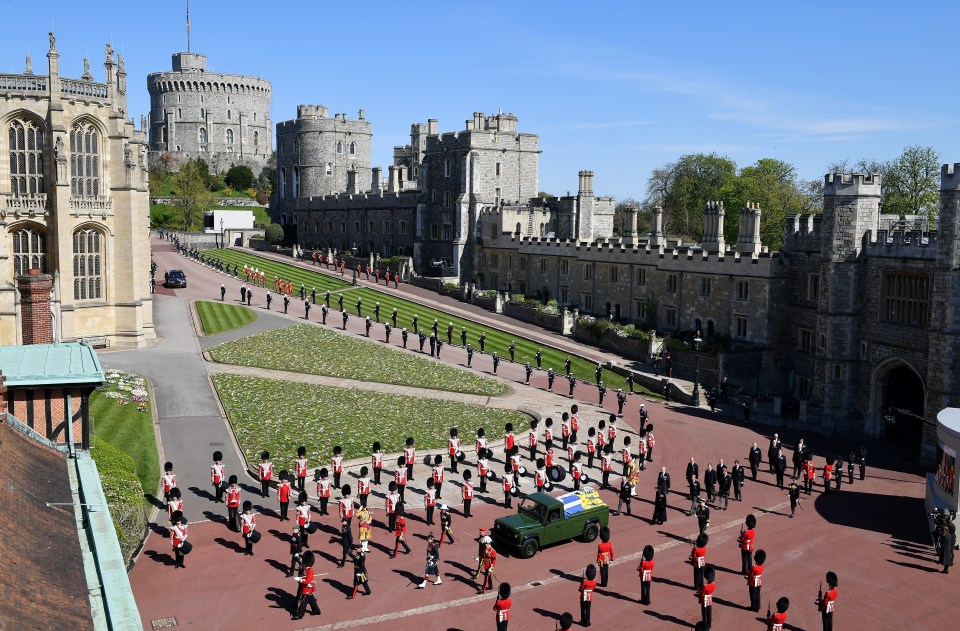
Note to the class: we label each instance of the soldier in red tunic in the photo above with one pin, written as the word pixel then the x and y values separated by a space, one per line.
pixel 488 562
pixel 304 515
pixel 323 490
pixel 376 461
pixel 283 493
pixel 705 596
pixel 400 531
pixel 233 504
pixel 437 473
pixel 466 492
pixel 566 621
pixel 336 465
pixel 587 586
pixel 604 555
pixel 698 558
pixel 645 569
pixel 175 504
pixel 265 471
pixel 308 588
pixel 300 468
pixel 432 566
pixel 825 602
pixel 168 480
pixel 178 537
pixel 755 579
pixel 502 606
pixel 746 541
pixel 248 527
pixel 218 475
pixel 776 621
pixel 410 457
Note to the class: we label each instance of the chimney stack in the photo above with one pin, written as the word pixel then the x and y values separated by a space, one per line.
pixel 35 317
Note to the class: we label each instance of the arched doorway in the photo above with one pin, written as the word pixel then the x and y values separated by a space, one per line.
pixel 616 312
pixel 898 385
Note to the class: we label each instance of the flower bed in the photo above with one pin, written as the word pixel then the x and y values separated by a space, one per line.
pixel 318 351
pixel 279 416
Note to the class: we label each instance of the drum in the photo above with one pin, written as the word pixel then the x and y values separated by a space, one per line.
pixel 255 536
pixel 556 473
pixel 548 486
pixel 583 478
pixel 186 547
pixel 428 460
pixel 461 456
pixel 491 476
pixel 522 470
pixel 514 491
pixel 312 527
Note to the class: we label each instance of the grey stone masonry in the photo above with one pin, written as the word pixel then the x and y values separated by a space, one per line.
pixel 222 118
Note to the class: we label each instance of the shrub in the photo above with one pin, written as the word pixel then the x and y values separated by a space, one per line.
pixel 518 299
pixel 118 477
pixel 239 177
pixel 675 344
pixel 274 234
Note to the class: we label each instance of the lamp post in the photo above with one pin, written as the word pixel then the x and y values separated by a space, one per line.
pixel 696 375
pixel 223 242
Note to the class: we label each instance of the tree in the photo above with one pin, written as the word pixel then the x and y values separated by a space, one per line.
pixel 267 182
pixel 190 189
pixel 912 184
pixel 273 234
pixel 696 179
pixel 619 216
pixel 772 184
pixel 239 177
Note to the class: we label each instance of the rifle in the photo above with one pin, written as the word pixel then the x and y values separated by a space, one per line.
pixel 768 608
pixel 819 594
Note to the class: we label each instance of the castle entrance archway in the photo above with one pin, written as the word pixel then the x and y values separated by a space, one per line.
pixel 898 392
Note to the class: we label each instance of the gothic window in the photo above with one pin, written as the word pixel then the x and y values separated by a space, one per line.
pixel 229 138
pixel 517 231
pixel 296 181
pixel 29 251
pixel 179 113
pixel 229 116
pixel 203 113
pixel 339 147
pixel 283 182
pixel 446 167
pixel 353 148
pixel 329 168
pixel 203 139
pixel 256 142
pixel 87 264
pixel 84 160
pixel 26 157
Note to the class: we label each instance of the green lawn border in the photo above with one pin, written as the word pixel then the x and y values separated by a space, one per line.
pixel 217 317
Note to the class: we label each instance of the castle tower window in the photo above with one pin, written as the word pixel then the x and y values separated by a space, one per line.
pixel 84 160
pixel 179 113
pixel 282 181
pixel 25 140
pixel 517 231
pixel 256 142
pixel 29 251
pixel 254 117
pixel 203 114
pixel 87 265
pixel 743 290
pixel 229 139
pixel 353 148
pixel 339 147
pixel 296 181
pixel 229 115
pixel 203 139
pixel 706 284
pixel 329 168
pixel 446 167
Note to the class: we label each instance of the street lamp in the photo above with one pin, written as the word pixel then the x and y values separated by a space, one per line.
pixel 223 242
pixel 696 375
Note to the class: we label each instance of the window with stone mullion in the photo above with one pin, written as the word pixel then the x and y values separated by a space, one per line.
pixel 25 140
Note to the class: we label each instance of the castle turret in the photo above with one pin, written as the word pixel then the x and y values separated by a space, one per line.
pixel 713 228
pixel 748 238
pixel 656 235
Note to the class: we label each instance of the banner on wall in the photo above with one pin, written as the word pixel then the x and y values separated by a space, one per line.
pixel 946 467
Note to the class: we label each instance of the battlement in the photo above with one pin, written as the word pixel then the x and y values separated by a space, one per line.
pixel 312 111
pixel 802 232
pixel 901 244
pixel 950 177
pixel 852 184
pixel 379 199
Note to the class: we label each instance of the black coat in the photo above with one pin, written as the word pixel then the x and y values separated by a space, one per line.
pixel 710 478
pixel 693 470
pixel 781 463
pixel 947 542
pixel 756 456
pixel 663 482
pixel 738 474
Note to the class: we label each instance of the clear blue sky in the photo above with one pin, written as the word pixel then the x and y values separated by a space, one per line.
pixel 619 88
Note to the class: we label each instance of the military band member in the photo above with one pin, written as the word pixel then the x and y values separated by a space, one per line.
pixel 850 464
pixel 604 555
pixel 168 480
pixel 346 541
pixel 359 558
pixel 308 588
pixel 488 563
pixel 248 526
pixel 502 606
pixel 296 553
pixel 702 511
pixel 376 461
pixel 483 468
pixel 577 471
pixel 591 446
pixel 515 464
pixel 705 596
pixel 828 474
pixel 265 471
pixel 508 440
pixel 233 505
pixel 755 579
pixel 645 569
pixel 363 486
pixel 391 502
pixel 642 449
pixel 446 521
pixel 430 500
pixel 218 476
pixel 178 536
pixel 532 439
pixel 410 457
pixel 588 584
pixel 651 441
pixel 540 475
pixel 400 531
pixel 432 565
pixel 507 482
pixel 304 517
pixel 755 457
pixel 365 527
pixel 400 477
pixel 698 558
pixel 793 492
pixel 606 464
pixel 300 468
pixel 809 475
pixel 175 504
pixel 825 602
pixel 454 449
pixel 466 492
pixel 323 490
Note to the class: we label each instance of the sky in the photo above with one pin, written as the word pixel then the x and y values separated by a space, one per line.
pixel 619 88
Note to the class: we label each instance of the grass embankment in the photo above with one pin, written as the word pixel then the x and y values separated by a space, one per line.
pixel 279 416
pixel 335 355
pixel 271 268
pixel 218 317
pixel 496 340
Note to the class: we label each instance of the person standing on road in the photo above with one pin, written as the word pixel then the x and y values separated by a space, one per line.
pixel 178 537
pixel 587 586
pixel 947 542
pixel 432 567
pixel 573 384
pixel 566 365
pixel 755 457
pixel 825 602
pixel 550 377
pixel 604 555
pixel 645 569
pixel 539 357
pixel 755 579
pixel 265 472
pixel 233 505
pixel 218 475
pixel 502 606
pixel 223 293
pixel 746 542
pixel 283 494
pixel 705 596
pixel 248 527
pixel 738 476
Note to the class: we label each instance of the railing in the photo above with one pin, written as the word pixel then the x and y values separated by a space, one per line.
pixel 23 83
pixel 91 203
pixel 78 87
pixel 35 202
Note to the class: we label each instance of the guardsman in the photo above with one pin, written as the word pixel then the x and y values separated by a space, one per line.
pixel 432 566
pixel 577 471
pixel 550 377
pixel 755 579
pixel 469 355
pixel 604 555
pixel 540 475
pixel 587 586
pixel 400 531
pixel 507 481
pixel 548 458
pixel 502 606
pixel 515 464
pixel 265 471
pixel 446 520
pixel 809 475
pixel 645 569
pixel 738 478
pixel 509 439
pixel 390 502
pixel 591 446
pixel 400 477
pixel 283 494
pixel 483 341
pixel 626 456
pixel 296 554
pixel 233 505
pixel 453 451
pixel 248 527
pixel 363 486
pixel 359 558
pixel 304 517
pixel 403 337
pixel 376 461
pixel 651 441
pixel 481 442
pixel 573 384
pixel 698 558
pixel 547 435
pixel 828 474
pixel 496 361
pixel 466 492
pixel 565 429
pixel 850 462
pixel 776 621
pixel 532 439
pixel 336 465
pixel 602 391
pixel 430 500
pixel 488 563
pixel 436 474
pixel 483 468
pixel 346 504
pixel 607 464
pixel 528 369
pixel 323 490
pixel 612 431
pixel 825 602
pixel 450 333
pixel 621 401
pixel 862 462
pixel 308 587
pixel 365 527
pixel 178 537
pixel 168 480
pixel 175 504
pixel 376 312
pixel 218 476
pixel 300 468
pixel 746 540
pixel 539 357
pixel 705 596
pixel 410 456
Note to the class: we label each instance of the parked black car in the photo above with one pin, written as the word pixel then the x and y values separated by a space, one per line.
pixel 175 278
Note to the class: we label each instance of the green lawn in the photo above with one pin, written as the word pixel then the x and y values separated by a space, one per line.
pixel 125 427
pixel 496 340
pixel 218 317
pixel 272 268
pixel 279 416
pixel 336 355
